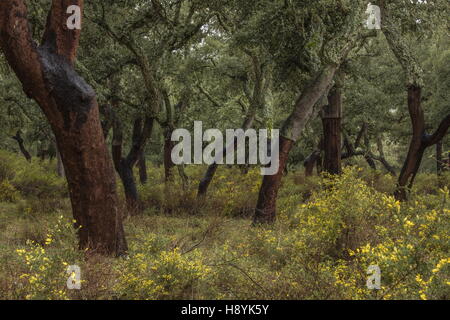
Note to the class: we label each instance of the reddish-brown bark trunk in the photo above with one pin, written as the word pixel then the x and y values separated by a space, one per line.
pixel 416 147
pixel 265 211
pixel 69 103
pixel 331 121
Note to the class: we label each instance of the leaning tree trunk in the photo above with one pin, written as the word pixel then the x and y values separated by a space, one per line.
pixel 69 103
pixel 212 168
pixel 265 211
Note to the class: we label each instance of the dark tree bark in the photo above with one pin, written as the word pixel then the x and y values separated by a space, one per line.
pixel 420 140
pixel 419 143
pixel 310 163
pixel 22 148
pixel 331 121
pixel 142 166
pixel 59 165
pixel 124 165
pixel 69 103
pixel 168 163
pixel 314 160
pixel 211 171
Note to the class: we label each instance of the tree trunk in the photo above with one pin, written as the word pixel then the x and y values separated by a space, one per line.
pixel 331 120
pixel 69 103
pixel 303 111
pixel 211 171
pixel 310 163
pixel 439 158
pixel 416 147
pixel 124 166
pixel 265 211
pixel 168 163
pixel 59 165
pixel 142 165
pixel 22 148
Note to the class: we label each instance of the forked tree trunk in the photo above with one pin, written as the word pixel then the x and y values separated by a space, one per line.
pixel 420 140
pixel 416 147
pixel 69 103
pixel 22 148
pixel 124 165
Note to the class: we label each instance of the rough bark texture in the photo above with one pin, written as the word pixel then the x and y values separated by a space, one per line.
pixel 331 121
pixel 265 211
pixel 69 103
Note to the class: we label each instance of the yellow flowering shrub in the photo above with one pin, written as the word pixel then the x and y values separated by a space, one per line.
pixel 150 273
pixel 7 192
pixel 44 276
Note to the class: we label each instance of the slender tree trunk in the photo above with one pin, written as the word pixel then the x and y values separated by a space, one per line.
pixel 124 166
pixel 439 158
pixel 48 76
pixel 168 163
pixel 59 165
pixel 211 171
pixel 142 165
pixel 22 148
pixel 310 163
